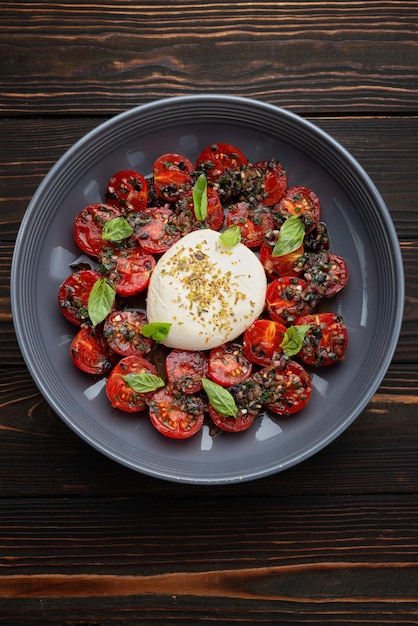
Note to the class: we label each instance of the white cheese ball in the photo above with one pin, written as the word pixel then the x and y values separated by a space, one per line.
pixel 209 292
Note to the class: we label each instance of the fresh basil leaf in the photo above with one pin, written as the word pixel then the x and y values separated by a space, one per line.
pixel 293 339
pixel 156 330
pixel 143 382
pixel 116 229
pixel 291 236
pixel 220 398
pixel 100 301
pixel 200 198
pixel 231 236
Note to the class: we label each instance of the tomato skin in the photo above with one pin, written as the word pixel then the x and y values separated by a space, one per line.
pixel 279 266
pixel 128 190
pixel 159 231
pixel 215 159
pixel 253 222
pixel 274 181
pixel 129 270
pixel 326 340
pixel 88 226
pixel 185 370
pixel 301 202
pixel 172 176
pixel 122 331
pixel 90 352
pixel 288 387
pixel 262 340
pixel 287 299
pixel 120 394
pixel 228 364
pixel 73 295
pixel 174 415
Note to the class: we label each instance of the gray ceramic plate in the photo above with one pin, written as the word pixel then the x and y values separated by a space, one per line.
pixel 361 231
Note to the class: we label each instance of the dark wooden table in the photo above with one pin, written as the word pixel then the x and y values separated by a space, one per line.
pixel 334 540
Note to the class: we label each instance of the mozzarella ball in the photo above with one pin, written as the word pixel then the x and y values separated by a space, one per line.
pixel 209 292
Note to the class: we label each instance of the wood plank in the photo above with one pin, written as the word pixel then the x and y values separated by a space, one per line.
pixel 377 454
pixel 314 56
pixel 312 560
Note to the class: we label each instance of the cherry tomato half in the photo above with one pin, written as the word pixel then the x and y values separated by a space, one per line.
pixel 185 370
pixel 172 176
pixel 248 396
pixel 253 222
pixel 228 364
pixel 262 340
pixel 90 352
pixel 88 226
pixel 326 340
pixel 175 415
pixel 185 218
pixel 73 295
pixel 120 394
pixel 157 232
pixel 288 388
pixel 327 273
pixel 218 157
pixel 129 270
pixel 301 202
pixel 287 299
pixel 274 181
pixel 128 190
pixel 122 331
pixel 277 266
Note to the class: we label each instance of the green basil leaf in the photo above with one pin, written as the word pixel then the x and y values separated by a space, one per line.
pixel 231 236
pixel 200 198
pixel 143 382
pixel 220 398
pixel 100 301
pixel 116 229
pixel 293 339
pixel 291 236
pixel 156 330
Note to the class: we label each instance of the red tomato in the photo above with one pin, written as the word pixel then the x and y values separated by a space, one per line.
pixel 73 295
pixel 122 331
pixel 274 181
pixel 301 202
pixel 120 394
pixel 90 352
pixel 88 226
pixel 278 266
pixel 159 231
pixel 337 275
pixel 174 415
pixel 248 396
pixel 185 370
pixel 128 190
pixel 288 388
pixel 326 272
pixel 287 299
pixel 253 222
pixel 185 218
pixel 228 364
pixel 218 157
pixel 262 340
pixel 129 270
pixel 172 176
pixel 326 340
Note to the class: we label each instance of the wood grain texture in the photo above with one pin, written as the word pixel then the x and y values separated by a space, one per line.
pixel 76 57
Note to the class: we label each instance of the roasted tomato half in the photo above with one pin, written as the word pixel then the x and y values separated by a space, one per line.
pixel 217 158
pixel 172 176
pixel 128 190
pixel 326 340
pixel 185 370
pixel 228 364
pixel 88 227
pixel 121 395
pixel 90 352
pixel 129 270
pixel 73 295
pixel 262 340
pixel 253 222
pixel 288 387
pixel 175 415
pixel 122 331
pixel 287 299
pixel 157 231
pixel 301 202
